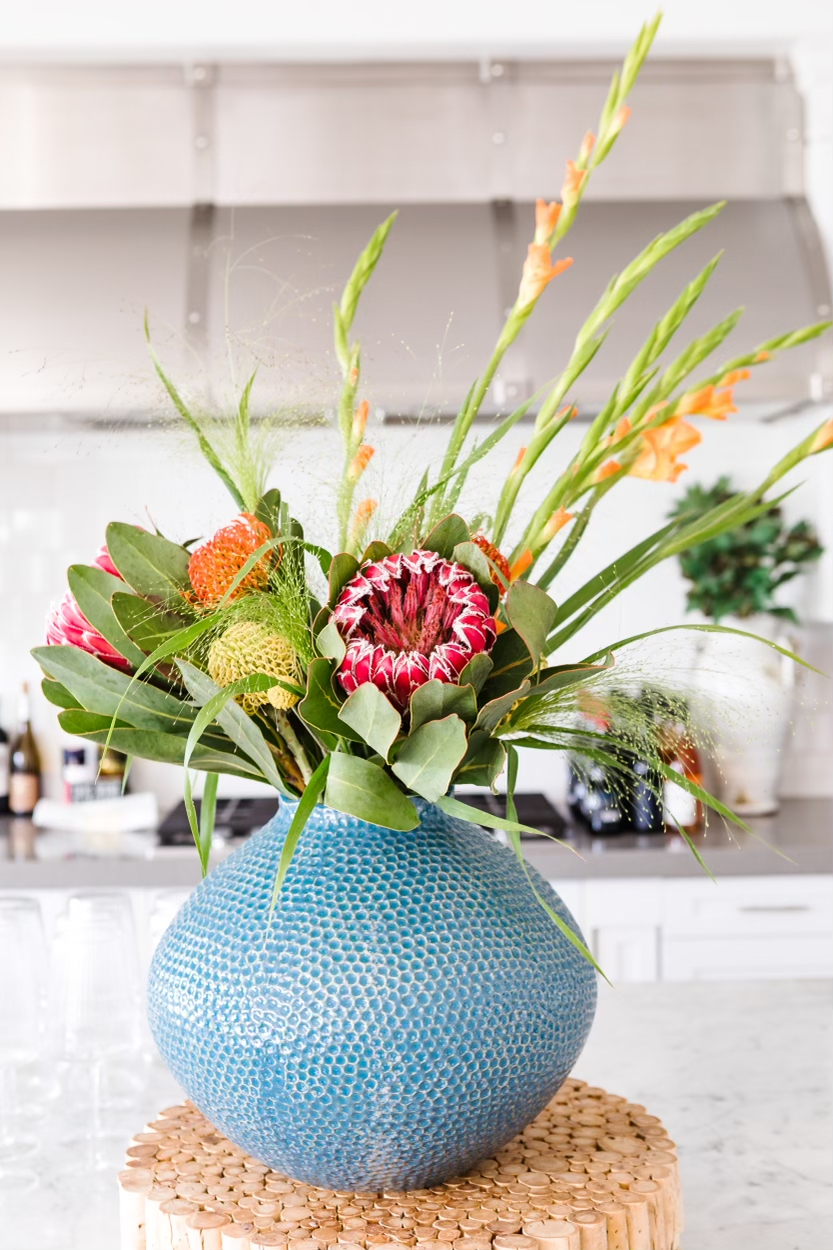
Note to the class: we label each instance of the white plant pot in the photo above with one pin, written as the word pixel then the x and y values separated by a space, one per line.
pixel 743 696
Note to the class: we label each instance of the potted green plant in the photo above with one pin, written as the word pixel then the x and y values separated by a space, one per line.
pixel 735 578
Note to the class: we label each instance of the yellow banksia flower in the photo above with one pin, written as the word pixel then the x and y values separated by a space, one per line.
pixel 249 647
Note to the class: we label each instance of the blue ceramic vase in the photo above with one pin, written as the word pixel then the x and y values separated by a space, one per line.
pixel 406 1011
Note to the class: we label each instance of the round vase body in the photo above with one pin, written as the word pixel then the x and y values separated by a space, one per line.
pixel 408 1008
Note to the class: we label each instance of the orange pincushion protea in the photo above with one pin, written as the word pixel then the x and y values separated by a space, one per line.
pixel 216 563
pixel 501 574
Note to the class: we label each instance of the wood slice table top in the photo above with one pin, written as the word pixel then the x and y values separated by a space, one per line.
pixel 591 1172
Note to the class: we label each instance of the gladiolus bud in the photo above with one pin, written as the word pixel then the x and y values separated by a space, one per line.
pixel 362 517
pixel 573 182
pixel 354 375
pixel 823 438
pixel 519 459
pixel 520 566
pixel 538 271
pixel 546 219
pixel 761 357
pixel 736 375
pixel 618 123
pixel 557 521
pixel 360 462
pixel 707 402
pixel 360 420
pixel 587 145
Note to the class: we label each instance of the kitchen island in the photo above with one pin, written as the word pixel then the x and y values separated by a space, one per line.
pixel 738 1073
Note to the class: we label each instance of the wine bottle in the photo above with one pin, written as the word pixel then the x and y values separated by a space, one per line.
pixel 24 773
pixel 681 810
pixel 4 771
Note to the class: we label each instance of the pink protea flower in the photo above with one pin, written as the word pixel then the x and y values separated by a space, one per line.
pixel 408 619
pixel 67 626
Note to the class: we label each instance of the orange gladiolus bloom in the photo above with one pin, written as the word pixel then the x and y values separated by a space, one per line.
pixel 546 219
pixel 708 402
pixel 360 462
pixel 573 182
pixel 657 462
pixel 737 375
pixel 360 420
pixel 606 470
pixel 824 437
pixel 538 272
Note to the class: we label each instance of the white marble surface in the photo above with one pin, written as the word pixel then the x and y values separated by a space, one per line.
pixel 739 1074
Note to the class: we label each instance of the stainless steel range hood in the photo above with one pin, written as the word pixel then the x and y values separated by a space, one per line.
pixel 232 196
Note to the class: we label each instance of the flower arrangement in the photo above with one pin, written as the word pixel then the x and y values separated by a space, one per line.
pixel 737 573
pixel 437 648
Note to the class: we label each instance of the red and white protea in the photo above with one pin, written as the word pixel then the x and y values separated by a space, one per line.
pixel 67 626
pixel 408 619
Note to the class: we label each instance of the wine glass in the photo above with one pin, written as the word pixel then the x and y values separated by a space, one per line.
pixel 22 995
pixel 98 1002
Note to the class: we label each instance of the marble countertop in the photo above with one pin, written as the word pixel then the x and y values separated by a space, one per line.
pixel 797 839
pixel 738 1073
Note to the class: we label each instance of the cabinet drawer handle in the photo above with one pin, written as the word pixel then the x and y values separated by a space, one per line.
pixel 776 907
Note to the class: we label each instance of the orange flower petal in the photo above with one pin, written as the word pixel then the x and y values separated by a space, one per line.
pixel 736 375
pixel 557 521
pixel 520 566
pixel 606 470
pixel 707 402
pixel 360 462
pixel 657 462
pixel 537 272
pixel 519 459
pixel 587 145
pixel 546 219
pixel 360 420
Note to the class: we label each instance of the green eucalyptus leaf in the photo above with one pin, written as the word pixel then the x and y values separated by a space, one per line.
pixel 444 537
pixel 148 745
pixel 146 623
pixel 373 717
pixel 492 713
pixel 531 614
pixel 58 695
pixel 108 691
pixel 330 642
pixel 320 706
pixel 437 699
pixel 149 563
pixel 360 788
pixel 428 757
pixel 476 671
pixel 93 589
pixel 343 569
pixel 483 762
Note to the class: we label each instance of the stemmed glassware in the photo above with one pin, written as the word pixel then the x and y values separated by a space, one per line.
pixel 98 1002
pixel 22 1019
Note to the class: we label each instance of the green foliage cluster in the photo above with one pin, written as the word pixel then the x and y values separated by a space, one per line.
pixel 738 573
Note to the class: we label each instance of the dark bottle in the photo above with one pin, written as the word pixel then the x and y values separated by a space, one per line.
pixel 4 771
pixel 601 806
pixel 644 798
pixel 24 778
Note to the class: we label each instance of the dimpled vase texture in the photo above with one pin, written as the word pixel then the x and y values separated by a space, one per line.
pixel 409 1008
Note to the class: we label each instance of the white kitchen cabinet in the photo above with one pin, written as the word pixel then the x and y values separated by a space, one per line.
pixel 693 929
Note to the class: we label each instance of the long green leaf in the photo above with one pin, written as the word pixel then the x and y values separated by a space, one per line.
pixel 242 730
pixel 208 815
pixel 149 745
pixel 306 806
pixel 709 629
pixel 146 623
pixel 100 688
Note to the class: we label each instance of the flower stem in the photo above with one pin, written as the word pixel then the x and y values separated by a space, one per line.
pixel 294 743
